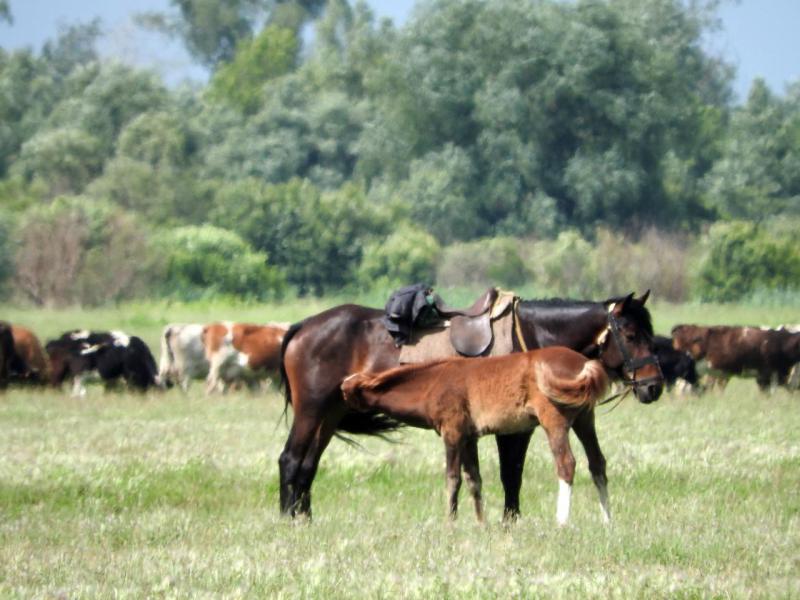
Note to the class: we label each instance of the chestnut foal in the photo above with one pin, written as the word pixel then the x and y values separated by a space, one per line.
pixel 463 399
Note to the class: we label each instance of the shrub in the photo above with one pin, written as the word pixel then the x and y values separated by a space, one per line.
pixel 76 250
pixel 408 255
pixel 742 257
pixel 206 261
pixel 491 261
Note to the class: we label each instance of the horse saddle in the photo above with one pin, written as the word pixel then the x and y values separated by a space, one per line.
pixel 471 328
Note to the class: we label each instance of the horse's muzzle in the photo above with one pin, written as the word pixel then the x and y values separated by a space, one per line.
pixel 649 393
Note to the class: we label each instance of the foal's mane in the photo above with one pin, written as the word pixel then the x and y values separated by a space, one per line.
pixel 402 373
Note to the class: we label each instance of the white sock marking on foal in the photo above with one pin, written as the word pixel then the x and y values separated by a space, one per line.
pixel 564 495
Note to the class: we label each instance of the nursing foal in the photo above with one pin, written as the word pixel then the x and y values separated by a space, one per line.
pixel 463 399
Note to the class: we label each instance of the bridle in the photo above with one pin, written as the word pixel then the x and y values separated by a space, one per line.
pixel 630 364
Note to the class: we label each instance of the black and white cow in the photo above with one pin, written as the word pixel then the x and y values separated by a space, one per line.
pixel 110 355
pixel 675 364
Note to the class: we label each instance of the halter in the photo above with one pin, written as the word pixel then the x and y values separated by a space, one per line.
pixel 630 364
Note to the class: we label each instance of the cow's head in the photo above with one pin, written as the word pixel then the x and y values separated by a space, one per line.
pixel 692 339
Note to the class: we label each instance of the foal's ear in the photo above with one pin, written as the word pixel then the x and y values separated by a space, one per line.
pixel 644 297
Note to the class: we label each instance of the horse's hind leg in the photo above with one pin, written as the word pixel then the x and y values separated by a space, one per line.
pixel 310 463
pixel 472 473
pixel 558 436
pixel 511 449
pixel 587 434
pixel 300 437
pixel 453 474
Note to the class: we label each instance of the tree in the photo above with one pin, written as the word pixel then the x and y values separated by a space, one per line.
pixel 317 238
pixel 5 12
pixel 240 82
pixel 758 175
pixel 76 251
pixel 210 30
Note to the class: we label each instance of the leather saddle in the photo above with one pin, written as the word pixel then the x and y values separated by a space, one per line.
pixel 471 328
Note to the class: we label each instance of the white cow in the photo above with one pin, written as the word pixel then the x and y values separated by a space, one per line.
pixel 183 355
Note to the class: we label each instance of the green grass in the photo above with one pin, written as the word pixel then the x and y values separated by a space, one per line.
pixel 172 495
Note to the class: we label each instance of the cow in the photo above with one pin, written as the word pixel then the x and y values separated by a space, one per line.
pixel 675 364
pixel 729 351
pixel 31 364
pixel 183 355
pixel 242 352
pixel 7 352
pixel 80 354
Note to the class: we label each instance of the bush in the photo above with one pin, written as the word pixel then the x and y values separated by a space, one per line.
pixel 408 255
pixel 206 261
pixel 742 258
pixel 491 261
pixel 79 251
pixel 565 266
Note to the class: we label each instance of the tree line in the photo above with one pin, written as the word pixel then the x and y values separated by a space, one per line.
pixel 331 150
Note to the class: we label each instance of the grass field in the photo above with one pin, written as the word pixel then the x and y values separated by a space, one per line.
pixel 172 495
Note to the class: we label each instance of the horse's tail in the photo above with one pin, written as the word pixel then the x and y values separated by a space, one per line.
pixel 587 387
pixel 287 337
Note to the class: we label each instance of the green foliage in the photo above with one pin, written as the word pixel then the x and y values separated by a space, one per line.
pixel 316 237
pixel 66 158
pixel 481 263
pixel 206 261
pixel 408 255
pixel 565 266
pixel 742 258
pixel 758 174
pixel 211 30
pixel 240 82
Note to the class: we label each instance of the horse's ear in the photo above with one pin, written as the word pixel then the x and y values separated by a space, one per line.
pixel 617 308
pixel 644 297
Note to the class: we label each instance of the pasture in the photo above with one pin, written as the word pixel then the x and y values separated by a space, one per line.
pixel 172 495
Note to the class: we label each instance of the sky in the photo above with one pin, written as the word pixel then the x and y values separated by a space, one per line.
pixel 759 37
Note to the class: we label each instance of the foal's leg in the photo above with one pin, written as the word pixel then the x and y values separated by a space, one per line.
pixel 587 434
pixel 511 449
pixel 558 436
pixel 472 473
pixel 453 474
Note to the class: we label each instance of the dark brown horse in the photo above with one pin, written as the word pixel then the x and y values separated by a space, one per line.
pixel 321 351
pixel 464 399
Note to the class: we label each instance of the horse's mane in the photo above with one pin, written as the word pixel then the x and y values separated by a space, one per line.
pixel 635 310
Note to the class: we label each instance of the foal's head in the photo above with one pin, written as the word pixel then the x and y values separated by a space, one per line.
pixel 627 346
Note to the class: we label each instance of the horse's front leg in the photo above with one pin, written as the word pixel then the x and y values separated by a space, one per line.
pixel 587 434
pixel 558 436
pixel 472 473
pixel 453 472
pixel 511 449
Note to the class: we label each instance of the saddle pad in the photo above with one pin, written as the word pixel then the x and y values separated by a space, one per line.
pixel 427 344
pixel 433 344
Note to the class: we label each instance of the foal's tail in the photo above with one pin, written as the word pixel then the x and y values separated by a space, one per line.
pixel 585 390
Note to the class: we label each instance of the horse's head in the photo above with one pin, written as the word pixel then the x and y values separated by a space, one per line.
pixel 627 346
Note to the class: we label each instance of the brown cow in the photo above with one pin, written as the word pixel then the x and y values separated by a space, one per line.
pixel 242 351
pixel 730 351
pixel 29 349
